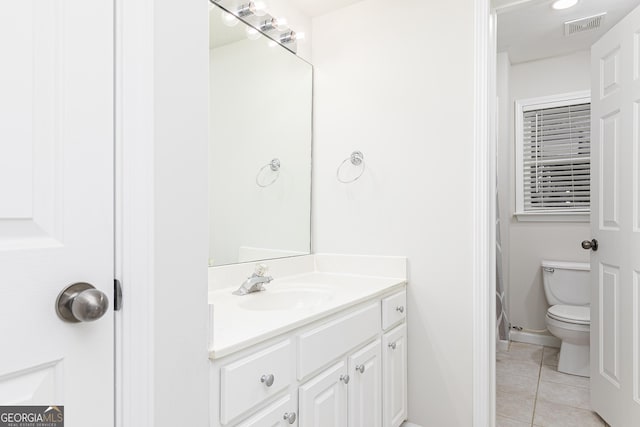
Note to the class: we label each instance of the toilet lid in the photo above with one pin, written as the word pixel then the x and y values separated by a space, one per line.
pixel 580 315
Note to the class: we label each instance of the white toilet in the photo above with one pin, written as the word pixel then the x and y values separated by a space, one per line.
pixel 566 285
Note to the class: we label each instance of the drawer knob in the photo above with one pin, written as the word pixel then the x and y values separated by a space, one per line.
pixel 344 379
pixel 267 380
pixel 392 345
pixel 400 309
pixel 360 368
pixel 290 417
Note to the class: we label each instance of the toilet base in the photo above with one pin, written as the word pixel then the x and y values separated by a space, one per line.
pixel 574 359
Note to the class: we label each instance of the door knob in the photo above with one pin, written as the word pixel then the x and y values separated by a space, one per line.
pixel 360 368
pixel 590 244
pixel 81 302
pixel 344 379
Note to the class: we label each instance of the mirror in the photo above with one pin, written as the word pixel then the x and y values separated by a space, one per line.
pixel 260 146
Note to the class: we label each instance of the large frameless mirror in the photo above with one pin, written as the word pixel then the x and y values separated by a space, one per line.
pixel 260 145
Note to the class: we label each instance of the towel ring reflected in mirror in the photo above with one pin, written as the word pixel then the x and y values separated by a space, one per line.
pixel 274 165
pixel 356 159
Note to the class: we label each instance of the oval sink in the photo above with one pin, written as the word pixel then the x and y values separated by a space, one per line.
pixel 285 299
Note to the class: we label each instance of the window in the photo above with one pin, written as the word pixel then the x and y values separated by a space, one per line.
pixel 553 161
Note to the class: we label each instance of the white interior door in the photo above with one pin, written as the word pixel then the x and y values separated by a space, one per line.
pixel 56 204
pixel 615 223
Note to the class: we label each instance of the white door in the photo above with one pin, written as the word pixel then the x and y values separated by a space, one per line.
pixel 323 399
pixel 615 223
pixel 56 204
pixel 394 382
pixel 365 387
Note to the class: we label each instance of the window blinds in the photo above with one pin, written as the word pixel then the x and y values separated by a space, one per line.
pixel 556 158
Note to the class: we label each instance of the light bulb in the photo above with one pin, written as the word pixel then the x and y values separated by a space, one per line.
pixel 260 8
pixel 299 37
pixel 564 4
pixel 252 33
pixel 228 19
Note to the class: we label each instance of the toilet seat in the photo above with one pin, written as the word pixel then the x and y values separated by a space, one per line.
pixel 578 315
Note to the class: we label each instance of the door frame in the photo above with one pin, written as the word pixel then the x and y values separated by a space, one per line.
pixel 484 234
pixel 134 394
pixel 161 239
pixel 142 26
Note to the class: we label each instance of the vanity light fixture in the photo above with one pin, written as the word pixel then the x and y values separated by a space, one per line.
pixel 246 9
pixel 269 24
pixel 564 4
pixel 288 37
pixel 253 13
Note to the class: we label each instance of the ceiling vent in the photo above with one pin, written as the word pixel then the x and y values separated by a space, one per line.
pixel 584 24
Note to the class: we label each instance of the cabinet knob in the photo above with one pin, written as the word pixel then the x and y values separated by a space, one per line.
pixel 344 379
pixel 267 380
pixel 360 368
pixel 392 345
pixel 400 309
pixel 290 417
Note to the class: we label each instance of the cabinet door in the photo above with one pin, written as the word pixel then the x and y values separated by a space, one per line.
pixel 323 399
pixel 365 387
pixel 394 384
pixel 281 413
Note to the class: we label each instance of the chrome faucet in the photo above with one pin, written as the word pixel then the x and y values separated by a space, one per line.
pixel 255 282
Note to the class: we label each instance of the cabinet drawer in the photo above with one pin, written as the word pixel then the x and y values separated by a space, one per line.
pixel 321 345
pixel 245 383
pixel 394 309
pixel 281 413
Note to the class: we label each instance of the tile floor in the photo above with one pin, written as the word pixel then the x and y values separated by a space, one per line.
pixel 531 392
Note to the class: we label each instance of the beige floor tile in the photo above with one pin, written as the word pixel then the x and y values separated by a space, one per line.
pixel 516 384
pixel 550 374
pixel 550 414
pixel 515 407
pixel 507 422
pixel 563 394
pixel 550 356
pixel 523 351
pixel 525 368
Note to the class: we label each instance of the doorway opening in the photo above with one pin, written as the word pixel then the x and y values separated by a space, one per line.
pixel 545 193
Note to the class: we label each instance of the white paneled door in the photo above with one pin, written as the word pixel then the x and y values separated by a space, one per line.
pixel 615 223
pixel 56 205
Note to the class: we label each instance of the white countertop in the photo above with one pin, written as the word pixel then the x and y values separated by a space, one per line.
pixel 236 327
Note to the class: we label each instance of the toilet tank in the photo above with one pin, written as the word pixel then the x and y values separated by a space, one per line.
pixel 566 282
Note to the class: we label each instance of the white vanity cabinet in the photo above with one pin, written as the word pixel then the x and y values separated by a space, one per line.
pixel 394 396
pixel 345 370
pixel 323 399
pixel 365 386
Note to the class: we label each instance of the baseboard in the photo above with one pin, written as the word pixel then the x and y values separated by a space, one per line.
pixel 538 339
pixel 408 424
pixel 502 345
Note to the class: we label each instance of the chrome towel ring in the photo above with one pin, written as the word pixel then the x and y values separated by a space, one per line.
pixel 356 159
pixel 274 165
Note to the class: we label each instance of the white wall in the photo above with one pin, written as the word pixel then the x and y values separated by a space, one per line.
pixel 396 82
pixel 260 109
pixel 530 242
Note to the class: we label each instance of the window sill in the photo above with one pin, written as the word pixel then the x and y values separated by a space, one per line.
pixel 553 216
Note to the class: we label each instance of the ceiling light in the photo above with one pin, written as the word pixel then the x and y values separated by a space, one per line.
pixel 564 4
